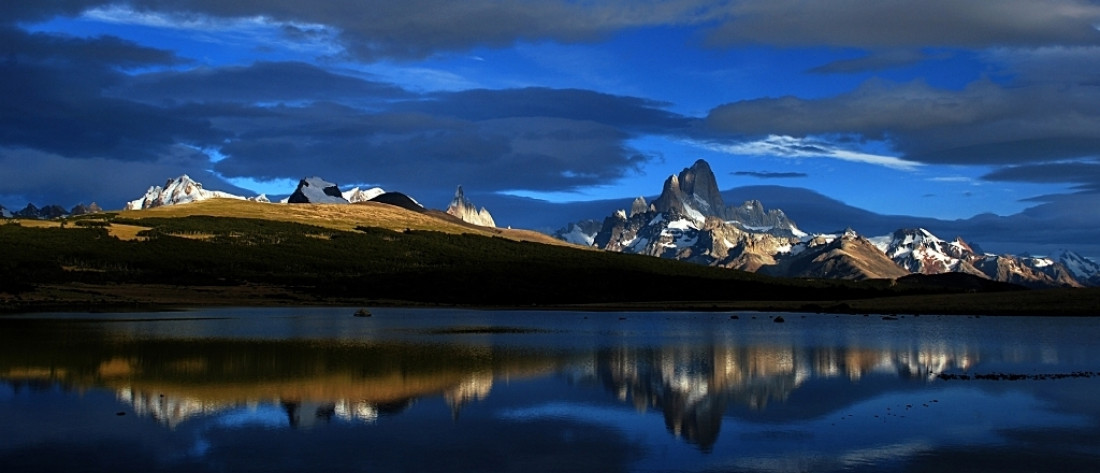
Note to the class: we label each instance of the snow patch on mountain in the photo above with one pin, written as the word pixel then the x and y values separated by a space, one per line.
pixel 180 190
pixel 356 194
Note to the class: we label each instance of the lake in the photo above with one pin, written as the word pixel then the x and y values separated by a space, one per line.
pixel 415 390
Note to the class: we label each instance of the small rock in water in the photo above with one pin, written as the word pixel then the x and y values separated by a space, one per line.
pixel 362 313
pixel 779 320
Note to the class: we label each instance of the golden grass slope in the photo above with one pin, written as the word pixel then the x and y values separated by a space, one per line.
pixel 337 216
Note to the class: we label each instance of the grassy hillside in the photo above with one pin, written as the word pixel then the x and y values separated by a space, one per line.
pixel 224 251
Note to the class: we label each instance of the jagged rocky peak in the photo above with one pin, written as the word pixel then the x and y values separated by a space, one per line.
pixel 5 213
pixel 314 190
pixel 692 193
pixel 465 210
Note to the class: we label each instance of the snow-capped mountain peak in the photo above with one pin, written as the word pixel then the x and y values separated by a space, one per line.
pixel 356 194
pixel 1083 269
pixel 180 190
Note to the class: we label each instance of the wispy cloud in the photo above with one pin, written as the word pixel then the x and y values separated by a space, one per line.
pixel 791 147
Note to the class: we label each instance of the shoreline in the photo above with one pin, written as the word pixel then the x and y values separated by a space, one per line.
pixel 89 298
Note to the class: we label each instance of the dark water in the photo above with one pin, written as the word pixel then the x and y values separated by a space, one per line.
pixel 453 390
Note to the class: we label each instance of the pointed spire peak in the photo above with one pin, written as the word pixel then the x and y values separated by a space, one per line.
pixel 701 164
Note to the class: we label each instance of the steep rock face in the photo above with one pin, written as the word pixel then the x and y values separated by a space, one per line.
pixel 848 256
pixel 180 190
pixel 5 213
pixel 693 194
pixel 465 210
pixel 314 190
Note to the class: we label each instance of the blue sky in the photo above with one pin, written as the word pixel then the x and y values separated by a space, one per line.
pixel 945 109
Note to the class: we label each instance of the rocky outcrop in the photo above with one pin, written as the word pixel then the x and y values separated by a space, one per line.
pixel 81 209
pixel 314 190
pixel 466 211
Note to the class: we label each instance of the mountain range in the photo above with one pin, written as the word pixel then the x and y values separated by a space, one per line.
pixel 50 211
pixel 690 221
pixel 310 190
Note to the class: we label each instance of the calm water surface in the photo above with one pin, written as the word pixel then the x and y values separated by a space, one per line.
pixel 458 390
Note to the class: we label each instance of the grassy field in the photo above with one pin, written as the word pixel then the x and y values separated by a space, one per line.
pixel 245 253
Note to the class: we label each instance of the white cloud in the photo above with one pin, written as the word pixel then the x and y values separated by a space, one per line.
pixel 791 147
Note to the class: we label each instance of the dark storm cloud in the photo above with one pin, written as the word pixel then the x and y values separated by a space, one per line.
pixel 287 120
pixel 372 29
pixel 103 54
pixel 583 105
pixel 770 175
pixel 13 11
pixel 411 152
pixel 53 99
pixel 875 61
pixel 985 123
pixel 877 24
pixel 46 178
pixel 258 82
pixel 1085 173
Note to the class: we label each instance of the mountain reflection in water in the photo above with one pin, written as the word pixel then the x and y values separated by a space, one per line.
pixel 696 371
